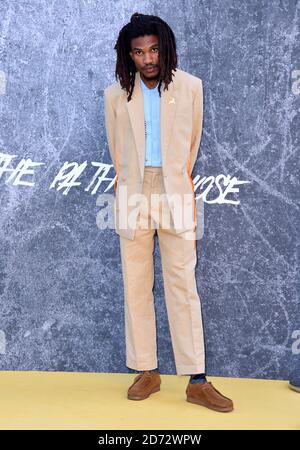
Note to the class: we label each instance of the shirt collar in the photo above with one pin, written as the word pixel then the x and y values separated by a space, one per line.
pixel 145 87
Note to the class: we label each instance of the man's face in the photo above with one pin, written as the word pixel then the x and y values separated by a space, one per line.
pixel 145 55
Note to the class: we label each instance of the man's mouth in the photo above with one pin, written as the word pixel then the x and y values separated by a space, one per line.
pixel 150 69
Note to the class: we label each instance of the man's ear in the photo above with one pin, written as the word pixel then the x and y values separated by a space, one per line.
pixel 130 53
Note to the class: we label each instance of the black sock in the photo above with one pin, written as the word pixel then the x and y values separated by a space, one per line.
pixel 199 377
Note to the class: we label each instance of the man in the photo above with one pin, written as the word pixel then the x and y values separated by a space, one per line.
pixel 153 122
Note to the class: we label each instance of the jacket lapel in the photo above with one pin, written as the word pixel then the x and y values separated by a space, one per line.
pixel 168 106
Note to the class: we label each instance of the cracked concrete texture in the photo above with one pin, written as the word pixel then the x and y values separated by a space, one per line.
pixel 61 288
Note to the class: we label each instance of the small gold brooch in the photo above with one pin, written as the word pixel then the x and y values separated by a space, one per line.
pixel 172 100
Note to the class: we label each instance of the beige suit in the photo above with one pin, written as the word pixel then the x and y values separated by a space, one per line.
pixel 181 128
pixel 181 115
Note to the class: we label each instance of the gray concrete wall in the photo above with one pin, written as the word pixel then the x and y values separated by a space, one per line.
pixel 61 290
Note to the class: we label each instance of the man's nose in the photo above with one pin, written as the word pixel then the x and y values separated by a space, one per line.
pixel 148 58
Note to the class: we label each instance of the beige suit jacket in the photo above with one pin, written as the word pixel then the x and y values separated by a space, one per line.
pixel 181 118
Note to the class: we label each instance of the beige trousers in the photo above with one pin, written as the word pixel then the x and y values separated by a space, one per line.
pixel 178 257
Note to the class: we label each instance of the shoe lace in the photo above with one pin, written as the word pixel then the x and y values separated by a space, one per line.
pixel 210 386
pixel 143 375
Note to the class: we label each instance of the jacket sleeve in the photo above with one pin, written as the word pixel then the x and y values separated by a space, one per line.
pixel 110 127
pixel 197 124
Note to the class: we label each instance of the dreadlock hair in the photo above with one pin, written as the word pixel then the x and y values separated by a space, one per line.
pixel 141 25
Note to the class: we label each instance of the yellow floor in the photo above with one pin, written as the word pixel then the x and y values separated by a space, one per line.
pixel 79 400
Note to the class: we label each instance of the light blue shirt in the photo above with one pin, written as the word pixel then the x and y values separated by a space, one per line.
pixel 152 125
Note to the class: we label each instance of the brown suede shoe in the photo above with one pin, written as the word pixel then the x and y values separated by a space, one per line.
pixel 205 394
pixel 144 384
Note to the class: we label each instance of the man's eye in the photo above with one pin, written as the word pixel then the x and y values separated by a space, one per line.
pixel 138 52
